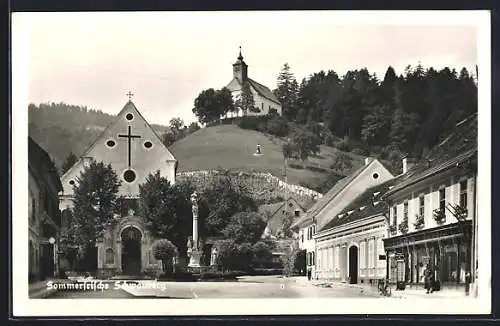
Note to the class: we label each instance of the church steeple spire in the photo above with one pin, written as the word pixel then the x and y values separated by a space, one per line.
pixel 240 57
pixel 240 69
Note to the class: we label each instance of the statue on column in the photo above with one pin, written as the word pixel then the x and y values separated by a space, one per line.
pixel 194 252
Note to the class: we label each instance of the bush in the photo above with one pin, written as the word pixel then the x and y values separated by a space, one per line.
pixel 343 145
pixel 220 275
pixel 296 166
pixel 277 126
pixel 165 251
pixel 267 271
pixel 253 122
pixel 329 139
pixel 180 276
pixel 262 255
pixel 361 151
pixel 316 168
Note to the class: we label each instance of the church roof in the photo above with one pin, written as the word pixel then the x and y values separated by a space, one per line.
pixel 263 91
pixel 128 107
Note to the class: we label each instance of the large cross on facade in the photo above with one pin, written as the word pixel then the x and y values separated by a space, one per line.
pixel 129 136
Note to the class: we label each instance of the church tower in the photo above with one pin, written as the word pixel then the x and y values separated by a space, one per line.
pixel 240 69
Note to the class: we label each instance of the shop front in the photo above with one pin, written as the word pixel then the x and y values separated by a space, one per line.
pixel 446 250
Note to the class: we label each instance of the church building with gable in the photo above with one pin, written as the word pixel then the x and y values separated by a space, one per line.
pixel 134 151
pixel 264 98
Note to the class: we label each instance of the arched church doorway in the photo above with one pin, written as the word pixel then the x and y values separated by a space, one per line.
pixel 353 265
pixel 131 251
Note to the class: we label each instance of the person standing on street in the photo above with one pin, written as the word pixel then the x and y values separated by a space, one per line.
pixel 429 279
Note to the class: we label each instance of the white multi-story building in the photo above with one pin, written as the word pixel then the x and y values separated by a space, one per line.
pixel 326 209
pixel 432 214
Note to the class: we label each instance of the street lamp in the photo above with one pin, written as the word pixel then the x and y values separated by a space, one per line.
pixel 52 241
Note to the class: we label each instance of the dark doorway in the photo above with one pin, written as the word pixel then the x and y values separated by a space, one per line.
pixel 131 251
pixel 353 265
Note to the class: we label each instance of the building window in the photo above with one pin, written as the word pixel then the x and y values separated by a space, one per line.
pixel 110 256
pixel 313 229
pixel 405 211
pixel 442 199
pixel 262 106
pixel 312 255
pixel 395 215
pixel 297 213
pixel 421 205
pixel 302 236
pixel 463 194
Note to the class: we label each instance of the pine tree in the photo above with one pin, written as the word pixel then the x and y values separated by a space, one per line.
pixel 287 91
pixel 70 161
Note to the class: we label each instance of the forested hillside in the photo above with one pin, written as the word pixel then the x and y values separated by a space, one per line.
pixel 405 114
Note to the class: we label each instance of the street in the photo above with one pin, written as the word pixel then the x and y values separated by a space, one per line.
pixel 245 287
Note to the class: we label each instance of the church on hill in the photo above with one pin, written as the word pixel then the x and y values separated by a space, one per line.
pixel 134 151
pixel 264 99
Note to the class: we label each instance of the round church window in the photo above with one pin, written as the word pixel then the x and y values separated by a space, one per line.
pixel 110 143
pixel 129 176
pixel 148 144
pixel 71 182
pixel 375 176
pixel 129 116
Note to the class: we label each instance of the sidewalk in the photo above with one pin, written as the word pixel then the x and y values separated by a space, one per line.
pixel 421 293
pixel 405 294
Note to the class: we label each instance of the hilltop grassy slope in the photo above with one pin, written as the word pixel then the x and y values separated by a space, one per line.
pixel 232 148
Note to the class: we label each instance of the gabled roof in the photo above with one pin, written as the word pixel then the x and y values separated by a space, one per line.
pixel 367 204
pixel 276 220
pixel 330 195
pixel 263 91
pixel 129 106
pixel 458 146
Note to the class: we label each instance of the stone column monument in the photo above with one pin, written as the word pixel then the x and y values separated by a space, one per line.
pixel 195 251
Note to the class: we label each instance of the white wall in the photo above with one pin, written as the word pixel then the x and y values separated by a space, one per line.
pixel 431 196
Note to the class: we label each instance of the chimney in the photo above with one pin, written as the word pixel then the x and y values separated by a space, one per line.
pixel 368 160
pixel 407 164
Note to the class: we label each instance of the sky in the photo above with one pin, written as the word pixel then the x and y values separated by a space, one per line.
pixel 167 58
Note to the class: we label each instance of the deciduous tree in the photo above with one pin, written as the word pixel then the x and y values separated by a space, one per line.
pixel 95 199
